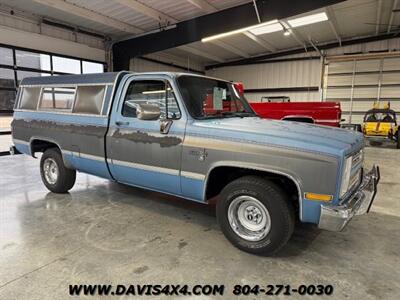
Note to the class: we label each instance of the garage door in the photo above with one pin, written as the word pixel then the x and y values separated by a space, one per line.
pixel 358 81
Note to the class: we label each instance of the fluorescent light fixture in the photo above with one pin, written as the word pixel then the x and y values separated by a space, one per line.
pixel 268 28
pixel 250 28
pixel 311 19
pixel 155 92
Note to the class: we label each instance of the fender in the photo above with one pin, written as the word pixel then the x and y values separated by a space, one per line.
pixel 33 138
pixel 291 177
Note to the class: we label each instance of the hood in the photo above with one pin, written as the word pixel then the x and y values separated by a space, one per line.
pixel 296 135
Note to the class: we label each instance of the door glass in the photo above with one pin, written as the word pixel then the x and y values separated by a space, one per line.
pixel 151 92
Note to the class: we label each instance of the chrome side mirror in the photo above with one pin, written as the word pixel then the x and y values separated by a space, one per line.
pixel 147 111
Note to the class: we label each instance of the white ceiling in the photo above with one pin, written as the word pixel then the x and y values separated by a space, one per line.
pixel 122 18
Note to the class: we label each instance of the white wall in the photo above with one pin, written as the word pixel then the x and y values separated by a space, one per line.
pixel 303 73
pixel 293 74
pixel 26 33
pixel 142 65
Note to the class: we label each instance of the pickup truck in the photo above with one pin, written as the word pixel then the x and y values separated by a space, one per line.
pixel 154 131
pixel 280 108
pixel 321 113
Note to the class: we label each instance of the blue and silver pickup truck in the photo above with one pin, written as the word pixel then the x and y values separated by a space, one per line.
pixel 197 138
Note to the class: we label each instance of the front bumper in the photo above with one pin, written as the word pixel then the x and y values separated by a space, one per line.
pixel 335 218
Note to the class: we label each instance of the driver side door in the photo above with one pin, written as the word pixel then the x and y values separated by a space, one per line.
pixel 147 153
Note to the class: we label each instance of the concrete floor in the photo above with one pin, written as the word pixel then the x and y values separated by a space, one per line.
pixel 104 232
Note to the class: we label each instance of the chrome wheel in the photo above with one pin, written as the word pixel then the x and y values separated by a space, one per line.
pixel 249 218
pixel 50 169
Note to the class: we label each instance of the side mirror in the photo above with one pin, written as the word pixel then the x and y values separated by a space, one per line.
pixel 148 111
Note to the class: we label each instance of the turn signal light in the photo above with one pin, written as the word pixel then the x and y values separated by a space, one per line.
pixel 318 197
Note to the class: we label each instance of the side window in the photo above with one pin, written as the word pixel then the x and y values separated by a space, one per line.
pixel 151 92
pixel 29 98
pixel 57 98
pixel 89 99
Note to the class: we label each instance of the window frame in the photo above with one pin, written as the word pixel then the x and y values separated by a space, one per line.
pixel 15 68
pixel 165 81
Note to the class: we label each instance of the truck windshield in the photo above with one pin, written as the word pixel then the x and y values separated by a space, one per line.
pixel 210 98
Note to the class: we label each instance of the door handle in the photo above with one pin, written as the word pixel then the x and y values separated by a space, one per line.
pixel 121 123
pixel 165 126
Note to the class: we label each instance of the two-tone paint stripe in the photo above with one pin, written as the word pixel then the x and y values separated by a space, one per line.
pixel 150 168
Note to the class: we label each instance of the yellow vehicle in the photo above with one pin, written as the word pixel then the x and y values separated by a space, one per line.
pixel 381 124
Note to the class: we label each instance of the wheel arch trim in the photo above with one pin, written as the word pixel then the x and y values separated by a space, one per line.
pixel 49 140
pixel 232 164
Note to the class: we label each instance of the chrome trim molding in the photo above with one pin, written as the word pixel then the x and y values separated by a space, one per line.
pixel 174 172
pixel 54 85
pixel 61 113
pixel 83 155
pixel 257 168
pixel 191 175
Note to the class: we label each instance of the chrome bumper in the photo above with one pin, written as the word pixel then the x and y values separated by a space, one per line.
pixel 335 218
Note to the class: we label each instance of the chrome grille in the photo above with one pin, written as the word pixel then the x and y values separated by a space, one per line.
pixel 357 163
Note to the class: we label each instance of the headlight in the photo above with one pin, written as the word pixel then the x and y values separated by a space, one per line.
pixel 346 176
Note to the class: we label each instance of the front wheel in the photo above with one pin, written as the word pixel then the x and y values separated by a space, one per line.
pixel 398 139
pixel 55 175
pixel 255 215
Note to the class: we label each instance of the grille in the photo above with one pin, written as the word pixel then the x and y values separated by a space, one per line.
pixel 356 166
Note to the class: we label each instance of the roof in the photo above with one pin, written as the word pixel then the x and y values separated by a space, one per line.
pixel 101 78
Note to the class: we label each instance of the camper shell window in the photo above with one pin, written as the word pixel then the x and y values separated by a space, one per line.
pixel 89 99
pixel 30 98
pixel 57 98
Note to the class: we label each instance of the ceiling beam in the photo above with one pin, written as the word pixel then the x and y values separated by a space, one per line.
pixel 261 58
pixel 203 5
pixel 313 44
pixel 146 10
pixel 201 53
pixel 378 17
pixel 230 48
pixel 294 34
pixel 392 16
pixel 193 30
pixel 260 41
pixel 89 15
pixel 333 23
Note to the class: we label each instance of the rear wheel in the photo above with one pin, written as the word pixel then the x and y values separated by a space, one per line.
pixel 55 176
pixel 255 215
pixel 398 139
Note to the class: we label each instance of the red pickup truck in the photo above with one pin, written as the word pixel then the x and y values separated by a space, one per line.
pixel 322 113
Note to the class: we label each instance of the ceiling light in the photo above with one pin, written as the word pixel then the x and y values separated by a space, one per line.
pixel 155 92
pixel 250 28
pixel 311 19
pixel 267 28
pixel 286 32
